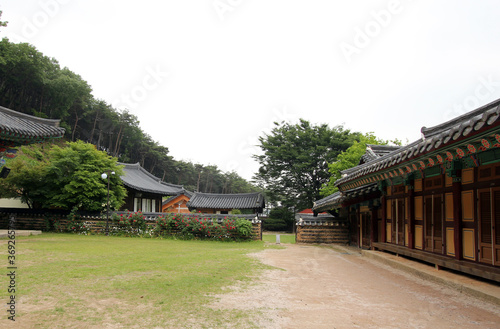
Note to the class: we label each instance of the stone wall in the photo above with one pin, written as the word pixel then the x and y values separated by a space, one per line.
pixel 322 234
pixel 322 229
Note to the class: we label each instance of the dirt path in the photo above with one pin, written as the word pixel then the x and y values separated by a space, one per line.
pixel 318 287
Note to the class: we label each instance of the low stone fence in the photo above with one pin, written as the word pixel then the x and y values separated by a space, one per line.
pixel 321 229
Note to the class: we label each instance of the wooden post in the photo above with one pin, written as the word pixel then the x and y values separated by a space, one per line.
pixel 358 227
pixel 384 215
pixel 457 216
pixel 373 225
pixel 411 219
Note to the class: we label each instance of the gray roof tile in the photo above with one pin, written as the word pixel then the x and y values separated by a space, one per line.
pixel 23 128
pixel 330 202
pixel 227 201
pixel 185 192
pixel 140 179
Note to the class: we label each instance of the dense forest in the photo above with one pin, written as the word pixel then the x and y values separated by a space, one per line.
pixel 36 84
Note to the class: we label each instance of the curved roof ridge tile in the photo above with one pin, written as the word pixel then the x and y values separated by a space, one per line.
pixel 140 179
pixel 31 118
pixel 431 131
pixel 17 126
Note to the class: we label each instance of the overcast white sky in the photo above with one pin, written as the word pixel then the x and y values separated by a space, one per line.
pixel 206 78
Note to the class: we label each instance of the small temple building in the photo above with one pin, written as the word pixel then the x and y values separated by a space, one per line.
pixel 177 203
pixel 144 190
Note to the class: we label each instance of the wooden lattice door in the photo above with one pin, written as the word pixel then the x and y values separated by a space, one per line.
pixel 489 226
pixel 400 222
pixel 366 230
pixel 433 223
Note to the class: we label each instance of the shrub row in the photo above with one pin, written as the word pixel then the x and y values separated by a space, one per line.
pixel 177 225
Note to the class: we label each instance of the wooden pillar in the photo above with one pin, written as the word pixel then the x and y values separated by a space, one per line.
pixel 457 216
pixel 373 225
pixel 384 216
pixel 411 217
pixel 358 226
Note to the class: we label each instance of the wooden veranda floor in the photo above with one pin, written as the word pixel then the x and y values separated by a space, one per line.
pixel 479 270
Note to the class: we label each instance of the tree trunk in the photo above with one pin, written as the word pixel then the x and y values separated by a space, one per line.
pixel 91 138
pixel 75 126
pixel 118 140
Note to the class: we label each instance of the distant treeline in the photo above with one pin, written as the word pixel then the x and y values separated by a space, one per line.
pixel 36 84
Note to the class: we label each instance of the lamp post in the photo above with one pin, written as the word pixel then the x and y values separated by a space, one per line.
pixel 106 175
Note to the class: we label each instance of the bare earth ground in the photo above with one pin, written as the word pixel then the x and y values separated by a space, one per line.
pixel 319 287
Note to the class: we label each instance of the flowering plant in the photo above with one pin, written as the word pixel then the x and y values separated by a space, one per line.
pixel 52 224
pixel 199 227
pixel 131 219
pixel 75 223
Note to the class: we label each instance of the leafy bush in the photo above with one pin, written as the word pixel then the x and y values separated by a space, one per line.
pixel 200 227
pixel 52 224
pixel 129 224
pixel 280 219
pixel 75 223
pixel 244 228
pixel 274 224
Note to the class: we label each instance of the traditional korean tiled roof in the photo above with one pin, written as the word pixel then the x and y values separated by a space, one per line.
pixel 374 152
pixel 435 138
pixel 19 129
pixel 227 201
pixel 140 179
pixel 330 202
pixel 336 199
pixel 185 192
pixel 318 220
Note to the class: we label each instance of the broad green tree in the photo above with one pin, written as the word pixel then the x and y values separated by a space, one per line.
pixel 350 158
pixel 294 163
pixel 74 175
pixel 26 177
pixel 65 177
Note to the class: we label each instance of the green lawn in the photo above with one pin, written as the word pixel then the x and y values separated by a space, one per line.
pixel 284 238
pixel 66 280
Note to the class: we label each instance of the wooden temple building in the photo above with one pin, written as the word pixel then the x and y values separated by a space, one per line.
pixel 144 190
pixel 436 199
